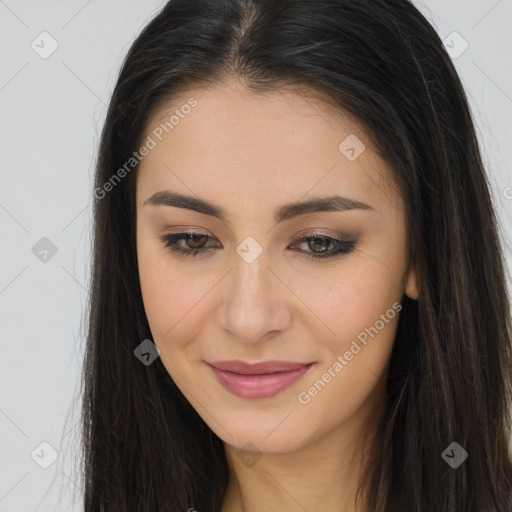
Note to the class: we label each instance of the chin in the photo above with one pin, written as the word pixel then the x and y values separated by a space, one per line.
pixel 270 435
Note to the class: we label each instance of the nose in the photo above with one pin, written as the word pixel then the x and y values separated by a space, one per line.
pixel 255 301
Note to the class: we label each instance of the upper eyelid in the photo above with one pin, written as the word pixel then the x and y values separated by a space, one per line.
pixel 312 233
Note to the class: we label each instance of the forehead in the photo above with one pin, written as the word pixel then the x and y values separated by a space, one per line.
pixel 235 143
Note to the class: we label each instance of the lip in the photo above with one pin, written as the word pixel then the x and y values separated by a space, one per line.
pixel 260 380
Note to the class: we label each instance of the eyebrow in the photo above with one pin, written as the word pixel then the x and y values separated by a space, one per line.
pixel 333 203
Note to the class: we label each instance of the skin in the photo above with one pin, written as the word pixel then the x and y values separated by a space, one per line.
pixel 250 154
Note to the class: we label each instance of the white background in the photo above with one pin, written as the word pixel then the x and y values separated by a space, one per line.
pixel 52 111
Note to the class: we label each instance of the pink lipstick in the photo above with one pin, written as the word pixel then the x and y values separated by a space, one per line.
pixel 260 380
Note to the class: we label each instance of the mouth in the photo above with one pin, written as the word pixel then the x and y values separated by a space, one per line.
pixel 260 380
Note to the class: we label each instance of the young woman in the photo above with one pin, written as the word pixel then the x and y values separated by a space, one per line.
pixel 298 293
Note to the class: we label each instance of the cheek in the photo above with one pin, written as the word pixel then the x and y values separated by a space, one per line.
pixel 163 291
pixel 363 313
pixel 360 305
pixel 166 297
pixel 152 283
pixel 352 300
pixel 174 299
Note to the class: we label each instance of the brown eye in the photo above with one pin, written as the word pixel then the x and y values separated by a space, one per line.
pixel 187 243
pixel 196 241
pixel 319 245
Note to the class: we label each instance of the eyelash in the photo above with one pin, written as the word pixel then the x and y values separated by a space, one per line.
pixel 342 247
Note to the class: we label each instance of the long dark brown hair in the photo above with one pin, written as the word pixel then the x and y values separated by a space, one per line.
pixel 144 447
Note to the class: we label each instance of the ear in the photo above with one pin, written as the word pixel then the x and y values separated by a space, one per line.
pixel 411 283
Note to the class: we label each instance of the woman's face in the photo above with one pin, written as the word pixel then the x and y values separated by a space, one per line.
pixel 261 280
